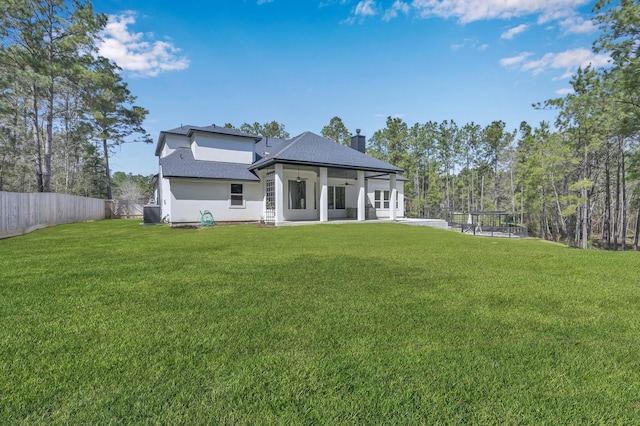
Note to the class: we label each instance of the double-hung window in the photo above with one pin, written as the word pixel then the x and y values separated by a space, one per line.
pixel 237 195
pixel 381 199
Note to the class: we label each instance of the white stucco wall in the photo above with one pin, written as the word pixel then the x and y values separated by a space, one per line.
pixel 173 142
pixel 164 195
pixel 383 185
pixel 222 148
pixel 191 196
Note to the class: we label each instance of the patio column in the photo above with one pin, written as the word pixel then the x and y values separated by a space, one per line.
pixel 324 195
pixel 361 196
pixel 393 190
pixel 279 179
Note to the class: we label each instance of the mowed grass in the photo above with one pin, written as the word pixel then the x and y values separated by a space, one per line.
pixel 114 323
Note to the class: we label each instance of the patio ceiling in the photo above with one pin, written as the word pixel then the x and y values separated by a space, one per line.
pixel 332 172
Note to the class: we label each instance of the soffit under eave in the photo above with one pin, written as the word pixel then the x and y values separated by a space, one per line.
pixel 273 162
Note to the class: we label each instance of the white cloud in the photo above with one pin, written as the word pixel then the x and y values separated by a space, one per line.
pixel 366 8
pixel 579 57
pixel 471 43
pixel 514 60
pixel 264 1
pixel 331 2
pixel 475 10
pixel 132 52
pixel 466 11
pixel 565 91
pixel 554 15
pixel 568 61
pixel 577 25
pixel 509 34
pixel 398 6
pixel 350 20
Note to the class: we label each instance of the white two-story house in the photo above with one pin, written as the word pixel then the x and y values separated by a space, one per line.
pixel 244 178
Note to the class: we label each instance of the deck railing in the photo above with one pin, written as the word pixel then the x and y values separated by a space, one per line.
pixel 507 230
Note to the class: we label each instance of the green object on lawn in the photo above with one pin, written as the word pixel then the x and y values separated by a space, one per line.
pixel 206 218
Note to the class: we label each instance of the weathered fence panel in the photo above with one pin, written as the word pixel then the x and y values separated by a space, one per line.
pixel 121 209
pixel 22 213
pixel 129 208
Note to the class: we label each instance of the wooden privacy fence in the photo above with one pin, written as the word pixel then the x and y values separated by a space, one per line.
pixel 119 209
pixel 23 213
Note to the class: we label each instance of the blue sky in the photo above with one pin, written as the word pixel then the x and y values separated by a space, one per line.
pixel 301 62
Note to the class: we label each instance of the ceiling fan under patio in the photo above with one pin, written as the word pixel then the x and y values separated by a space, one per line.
pixel 300 179
pixel 346 180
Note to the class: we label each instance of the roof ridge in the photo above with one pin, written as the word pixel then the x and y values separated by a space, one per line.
pixel 288 144
pixel 224 131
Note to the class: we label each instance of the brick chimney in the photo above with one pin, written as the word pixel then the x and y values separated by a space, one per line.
pixel 358 142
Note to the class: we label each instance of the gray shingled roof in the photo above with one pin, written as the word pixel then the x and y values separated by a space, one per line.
pixel 181 163
pixel 187 130
pixel 311 149
pixel 268 146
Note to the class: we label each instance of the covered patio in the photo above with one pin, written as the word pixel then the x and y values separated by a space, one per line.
pixel 315 179
pixel 300 193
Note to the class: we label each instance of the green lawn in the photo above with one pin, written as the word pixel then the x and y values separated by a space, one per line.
pixel 115 323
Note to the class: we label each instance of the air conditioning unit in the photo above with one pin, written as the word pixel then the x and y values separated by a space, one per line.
pixel 151 214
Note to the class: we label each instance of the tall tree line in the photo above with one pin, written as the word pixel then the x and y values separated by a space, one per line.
pixel 450 167
pixel 62 106
pixel 576 180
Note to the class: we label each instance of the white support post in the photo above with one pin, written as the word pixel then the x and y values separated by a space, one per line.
pixel 324 195
pixel 361 197
pixel 279 189
pixel 393 190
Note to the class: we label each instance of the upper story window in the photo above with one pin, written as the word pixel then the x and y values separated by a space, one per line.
pixel 237 195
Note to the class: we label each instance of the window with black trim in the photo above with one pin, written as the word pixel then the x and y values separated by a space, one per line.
pixel 337 198
pixel 331 198
pixel 381 199
pixel 297 194
pixel 237 195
